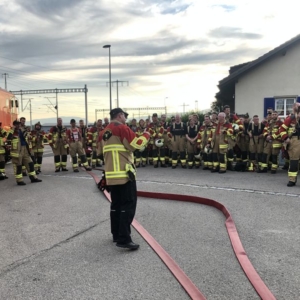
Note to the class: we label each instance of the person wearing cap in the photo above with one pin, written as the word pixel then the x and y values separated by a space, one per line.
pixel 59 143
pixel 20 154
pixel 37 139
pixel 117 142
pixel 156 130
pixel 3 134
pixel 75 143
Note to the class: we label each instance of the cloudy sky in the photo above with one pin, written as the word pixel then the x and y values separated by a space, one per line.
pixel 170 52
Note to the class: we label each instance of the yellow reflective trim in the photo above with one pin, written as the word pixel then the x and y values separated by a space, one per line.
pixel 292 174
pixel 137 146
pixel 114 147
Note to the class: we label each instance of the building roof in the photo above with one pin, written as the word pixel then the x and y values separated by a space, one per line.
pixel 238 70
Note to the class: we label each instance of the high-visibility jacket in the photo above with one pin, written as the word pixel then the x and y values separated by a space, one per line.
pixel 56 135
pixel 289 128
pixel 117 143
pixel 204 134
pixel 3 134
pixel 224 129
pixel 156 130
pixel 14 141
pixel 272 129
pixel 37 141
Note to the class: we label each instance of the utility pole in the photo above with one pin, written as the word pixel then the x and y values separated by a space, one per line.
pixel 117 82
pixel 5 75
pixel 184 105
pixel 30 110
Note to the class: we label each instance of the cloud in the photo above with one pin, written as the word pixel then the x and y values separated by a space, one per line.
pixel 233 32
pixel 227 8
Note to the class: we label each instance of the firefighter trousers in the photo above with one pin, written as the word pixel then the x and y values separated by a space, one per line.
pixel 122 210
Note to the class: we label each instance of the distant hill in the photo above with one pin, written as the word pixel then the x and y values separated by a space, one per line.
pixel 66 120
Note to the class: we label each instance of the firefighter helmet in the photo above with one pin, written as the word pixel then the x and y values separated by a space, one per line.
pixel 207 150
pixel 235 127
pixel 159 143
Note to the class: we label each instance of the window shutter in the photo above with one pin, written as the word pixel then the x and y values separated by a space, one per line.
pixel 268 102
pixel 298 99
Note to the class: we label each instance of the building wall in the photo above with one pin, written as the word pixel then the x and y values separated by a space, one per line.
pixel 280 76
pixel 7 113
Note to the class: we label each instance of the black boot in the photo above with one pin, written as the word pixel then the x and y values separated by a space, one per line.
pixel 291 183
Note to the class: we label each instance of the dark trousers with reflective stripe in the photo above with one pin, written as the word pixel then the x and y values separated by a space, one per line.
pixel 122 210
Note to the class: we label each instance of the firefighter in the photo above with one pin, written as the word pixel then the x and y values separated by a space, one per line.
pixel 75 143
pixel 205 133
pixel 272 145
pixel 92 141
pixel 167 138
pixel 24 128
pixel 290 134
pixel 218 142
pixel 20 155
pixel 233 119
pixel 141 154
pixel 178 131
pixel 116 143
pixel 157 130
pixel 37 139
pixel 255 132
pixel 59 144
pixel 242 145
pixel 84 136
pixel 3 135
pixel 193 144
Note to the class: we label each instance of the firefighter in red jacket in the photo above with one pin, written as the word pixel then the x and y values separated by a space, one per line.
pixel 218 141
pixel 237 127
pixel 156 130
pixel 75 143
pixel 272 145
pixel 290 134
pixel 117 143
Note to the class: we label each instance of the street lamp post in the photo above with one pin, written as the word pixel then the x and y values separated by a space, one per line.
pixel 110 101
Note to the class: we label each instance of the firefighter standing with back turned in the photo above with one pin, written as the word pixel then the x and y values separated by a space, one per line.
pixel 117 143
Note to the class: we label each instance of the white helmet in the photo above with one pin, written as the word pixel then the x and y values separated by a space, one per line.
pixel 159 143
pixel 142 149
pixel 207 150
pixel 197 156
pixel 235 127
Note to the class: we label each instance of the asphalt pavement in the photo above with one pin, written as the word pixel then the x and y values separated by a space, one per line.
pixel 55 240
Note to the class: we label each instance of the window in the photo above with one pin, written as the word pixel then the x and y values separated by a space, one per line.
pixel 284 106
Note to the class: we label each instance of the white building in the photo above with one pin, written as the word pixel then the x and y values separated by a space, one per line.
pixel 272 80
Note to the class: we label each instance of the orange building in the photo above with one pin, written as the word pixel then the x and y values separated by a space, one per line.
pixel 8 108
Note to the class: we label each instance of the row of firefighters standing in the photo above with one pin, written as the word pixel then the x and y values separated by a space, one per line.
pixel 26 147
pixel 256 145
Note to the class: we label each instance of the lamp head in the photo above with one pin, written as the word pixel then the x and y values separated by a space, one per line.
pixel 106 46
